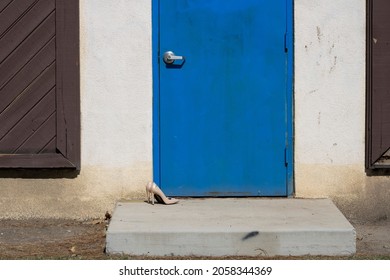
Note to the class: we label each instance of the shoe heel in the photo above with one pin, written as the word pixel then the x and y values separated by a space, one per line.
pixel 149 194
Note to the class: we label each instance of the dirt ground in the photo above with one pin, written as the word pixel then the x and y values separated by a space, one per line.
pixel 69 239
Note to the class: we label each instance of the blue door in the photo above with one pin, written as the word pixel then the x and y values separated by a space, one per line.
pixel 222 97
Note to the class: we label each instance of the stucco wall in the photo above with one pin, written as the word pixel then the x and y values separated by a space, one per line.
pixel 330 53
pixel 116 106
pixel 116 121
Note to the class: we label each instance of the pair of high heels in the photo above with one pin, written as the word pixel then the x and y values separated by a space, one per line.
pixel 154 192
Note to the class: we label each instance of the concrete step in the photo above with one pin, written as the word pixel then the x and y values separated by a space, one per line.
pixel 231 227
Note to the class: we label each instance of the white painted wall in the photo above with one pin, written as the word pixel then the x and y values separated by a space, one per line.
pixel 116 82
pixel 116 119
pixel 330 54
pixel 329 81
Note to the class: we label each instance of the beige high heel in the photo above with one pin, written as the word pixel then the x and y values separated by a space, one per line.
pixel 154 192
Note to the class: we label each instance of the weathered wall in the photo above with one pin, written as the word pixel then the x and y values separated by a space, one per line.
pixel 116 105
pixel 116 120
pixel 330 108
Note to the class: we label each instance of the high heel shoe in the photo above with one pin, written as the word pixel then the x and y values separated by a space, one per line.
pixel 154 192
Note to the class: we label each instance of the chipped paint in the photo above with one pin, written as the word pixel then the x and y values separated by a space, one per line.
pixel 319 34
pixel 330 51
pixel 334 64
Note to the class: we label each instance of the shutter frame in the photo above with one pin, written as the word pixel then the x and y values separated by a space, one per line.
pixel 377 97
pixel 67 90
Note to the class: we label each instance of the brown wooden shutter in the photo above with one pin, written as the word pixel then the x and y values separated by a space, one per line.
pixel 378 73
pixel 39 84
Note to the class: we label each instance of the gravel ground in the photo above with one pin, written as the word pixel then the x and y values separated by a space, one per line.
pixel 69 239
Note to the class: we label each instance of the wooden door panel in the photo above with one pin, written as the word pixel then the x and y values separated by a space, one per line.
pixel 15 139
pixel 28 75
pixel 378 85
pixel 39 84
pixel 24 26
pixel 50 146
pixel 14 11
pixel 27 51
pixel 43 134
pixel 4 4
pixel 24 102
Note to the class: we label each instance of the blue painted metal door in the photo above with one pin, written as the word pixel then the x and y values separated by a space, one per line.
pixel 222 125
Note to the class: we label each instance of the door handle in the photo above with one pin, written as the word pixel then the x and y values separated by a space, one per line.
pixel 169 57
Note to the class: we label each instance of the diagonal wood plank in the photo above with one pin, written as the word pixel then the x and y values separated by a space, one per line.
pixel 38 140
pixel 31 58
pixel 28 125
pixel 23 104
pixel 27 75
pixel 50 147
pixel 13 12
pixel 4 4
pixel 15 35
pixel 27 50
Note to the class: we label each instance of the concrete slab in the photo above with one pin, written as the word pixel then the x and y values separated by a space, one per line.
pixel 231 227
